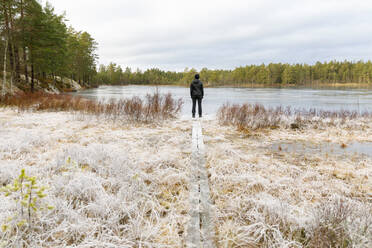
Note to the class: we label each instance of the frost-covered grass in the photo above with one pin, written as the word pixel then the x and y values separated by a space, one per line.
pixel 273 198
pixel 114 184
pixel 111 185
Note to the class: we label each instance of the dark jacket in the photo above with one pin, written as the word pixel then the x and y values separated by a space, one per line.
pixel 196 89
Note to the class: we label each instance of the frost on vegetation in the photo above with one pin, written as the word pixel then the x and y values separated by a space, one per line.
pixel 23 143
pixel 8 173
pixel 258 221
pixel 133 207
pixel 27 205
pixel 267 198
pixel 341 222
pixel 118 188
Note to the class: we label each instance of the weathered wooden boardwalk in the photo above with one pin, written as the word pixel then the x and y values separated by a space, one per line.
pixel 201 227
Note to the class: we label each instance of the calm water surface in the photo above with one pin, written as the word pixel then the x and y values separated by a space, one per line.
pixel 326 99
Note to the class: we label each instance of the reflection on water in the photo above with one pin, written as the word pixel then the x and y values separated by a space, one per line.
pixel 304 98
pixel 356 148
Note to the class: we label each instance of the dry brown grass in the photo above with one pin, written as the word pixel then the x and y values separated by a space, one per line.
pixel 250 116
pixel 290 198
pixel 256 116
pixel 153 108
pixel 330 225
pixel 334 224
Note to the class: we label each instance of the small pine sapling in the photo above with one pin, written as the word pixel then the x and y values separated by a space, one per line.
pixel 28 196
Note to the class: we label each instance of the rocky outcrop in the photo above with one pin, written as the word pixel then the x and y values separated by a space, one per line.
pixel 71 83
pixel 53 86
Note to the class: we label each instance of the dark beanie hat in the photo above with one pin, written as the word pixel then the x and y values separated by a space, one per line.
pixel 197 76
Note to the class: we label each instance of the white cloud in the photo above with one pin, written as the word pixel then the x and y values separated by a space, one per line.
pixel 223 34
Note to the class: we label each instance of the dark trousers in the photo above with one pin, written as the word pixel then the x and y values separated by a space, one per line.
pixel 194 105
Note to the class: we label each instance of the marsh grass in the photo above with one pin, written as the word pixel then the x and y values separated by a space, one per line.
pixel 341 222
pixel 256 116
pixel 110 187
pixel 154 107
pixel 271 199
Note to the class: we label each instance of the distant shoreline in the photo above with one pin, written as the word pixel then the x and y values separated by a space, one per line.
pixel 245 85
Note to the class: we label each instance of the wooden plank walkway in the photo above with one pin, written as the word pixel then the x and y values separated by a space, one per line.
pixel 201 228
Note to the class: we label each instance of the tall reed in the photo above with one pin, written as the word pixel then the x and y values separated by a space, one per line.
pixel 255 116
pixel 154 107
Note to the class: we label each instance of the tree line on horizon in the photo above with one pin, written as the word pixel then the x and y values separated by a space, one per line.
pixel 36 43
pixel 270 74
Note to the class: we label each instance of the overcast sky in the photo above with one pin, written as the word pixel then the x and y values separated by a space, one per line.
pixel 219 34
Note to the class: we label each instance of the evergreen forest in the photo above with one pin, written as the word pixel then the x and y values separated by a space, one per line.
pixel 271 74
pixel 36 43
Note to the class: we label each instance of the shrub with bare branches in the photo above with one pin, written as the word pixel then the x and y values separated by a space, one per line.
pixel 256 116
pixel 154 107
pixel 340 222
pixel 248 115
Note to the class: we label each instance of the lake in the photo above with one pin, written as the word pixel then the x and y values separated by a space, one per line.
pixel 304 98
